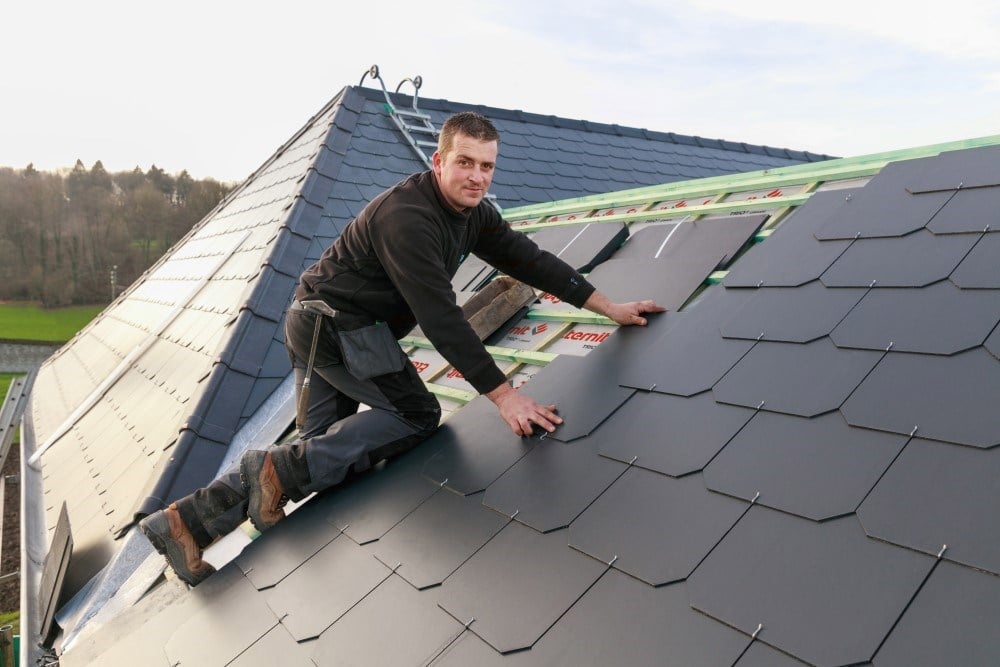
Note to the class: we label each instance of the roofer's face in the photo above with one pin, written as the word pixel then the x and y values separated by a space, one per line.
pixel 464 173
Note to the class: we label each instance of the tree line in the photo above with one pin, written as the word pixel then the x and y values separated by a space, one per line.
pixel 64 236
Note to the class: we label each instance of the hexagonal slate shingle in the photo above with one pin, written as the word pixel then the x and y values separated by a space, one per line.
pixel 550 486
pixel 916 503
pixel 670 434
pixel 792 314
pixel 884 207
pixel 655 527
pixel 804 380
pixel 970 210
pixel 953 399
pixel 814 468
pixel 952 621
pixel 823 592
pixel 517 586
pixel 939 319
pixel 914 260
pixel 981 267
pixel 792 255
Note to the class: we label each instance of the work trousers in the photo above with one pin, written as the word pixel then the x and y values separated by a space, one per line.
pixel 336 438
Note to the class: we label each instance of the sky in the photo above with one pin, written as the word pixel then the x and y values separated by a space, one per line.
pixel 216 86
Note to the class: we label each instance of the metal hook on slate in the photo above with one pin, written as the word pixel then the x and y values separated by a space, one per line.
pixel 914 431
pixel 612 562
pixel 753 501
pixel 889 346
pixel 444 482
pixel 944 547
pixel 760 626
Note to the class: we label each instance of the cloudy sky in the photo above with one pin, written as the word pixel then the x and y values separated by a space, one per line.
pixel 215 87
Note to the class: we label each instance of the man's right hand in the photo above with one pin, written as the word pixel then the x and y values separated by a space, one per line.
pixel 521 412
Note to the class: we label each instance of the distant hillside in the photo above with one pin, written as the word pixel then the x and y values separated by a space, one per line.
pixel 78 237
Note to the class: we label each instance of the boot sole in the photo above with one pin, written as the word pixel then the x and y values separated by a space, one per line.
pixel 156 528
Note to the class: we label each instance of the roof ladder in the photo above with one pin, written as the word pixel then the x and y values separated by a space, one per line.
pixel 414 124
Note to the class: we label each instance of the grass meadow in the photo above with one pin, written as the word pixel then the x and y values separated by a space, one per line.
pixel 27 321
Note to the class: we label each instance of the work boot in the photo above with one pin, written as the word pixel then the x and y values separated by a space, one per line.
pixel 266 499
pixel 169 536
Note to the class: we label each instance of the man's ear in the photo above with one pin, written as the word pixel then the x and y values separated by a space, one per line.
pixel 436 162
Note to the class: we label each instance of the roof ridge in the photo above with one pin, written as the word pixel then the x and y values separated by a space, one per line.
pixel 441 104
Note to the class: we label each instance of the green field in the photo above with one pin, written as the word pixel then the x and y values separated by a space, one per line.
pixel 11 618
pixel 24 321
pixel 5 380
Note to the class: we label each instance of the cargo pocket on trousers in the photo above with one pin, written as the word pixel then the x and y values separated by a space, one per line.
pixel 371 351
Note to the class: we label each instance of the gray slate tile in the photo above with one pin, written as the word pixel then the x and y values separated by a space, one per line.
pixel 670 434
pixel 792 314
pixel 277 647
pixel 915 260
pixel 645 243
pixel 933 395
pixel 981 267
pixel 951 170
pixel 368 506
pixel 322 590
pixel 711 237
pixel 380 630
pixel 782 377
pixel 916 504
pixel 518 586
pixel 792 255
pixel 760 654
pixel 884 207
pixel 228 615
pixel 939 319
pixel 969 210
pixel 658 628
pixel 668 282
pixel 471 650
pixel 823 592
pixel 582 246
pixel 272 556
pixel 814 468
pixel 952 621
pixel 473 448
pixel 553 484
pixel 560 383
pixel 993 343
pixel 688 359
pixel 440 535
pixel 653 527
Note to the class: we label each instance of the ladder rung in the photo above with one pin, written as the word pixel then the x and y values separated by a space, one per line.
pixel 412 114
pixel 427 144
pixel 420 128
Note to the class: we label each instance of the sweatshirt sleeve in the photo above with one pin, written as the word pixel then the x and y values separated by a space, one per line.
pixel 518 256
pixel 410 250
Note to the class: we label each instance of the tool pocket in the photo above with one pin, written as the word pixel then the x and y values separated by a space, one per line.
pixel 371 351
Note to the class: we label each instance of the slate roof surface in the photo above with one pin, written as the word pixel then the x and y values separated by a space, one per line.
pixel 141 407
pixel 723 492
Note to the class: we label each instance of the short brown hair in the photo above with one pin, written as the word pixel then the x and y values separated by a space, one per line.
pixel 469 123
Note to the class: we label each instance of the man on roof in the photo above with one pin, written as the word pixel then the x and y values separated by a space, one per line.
pixel 390 269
